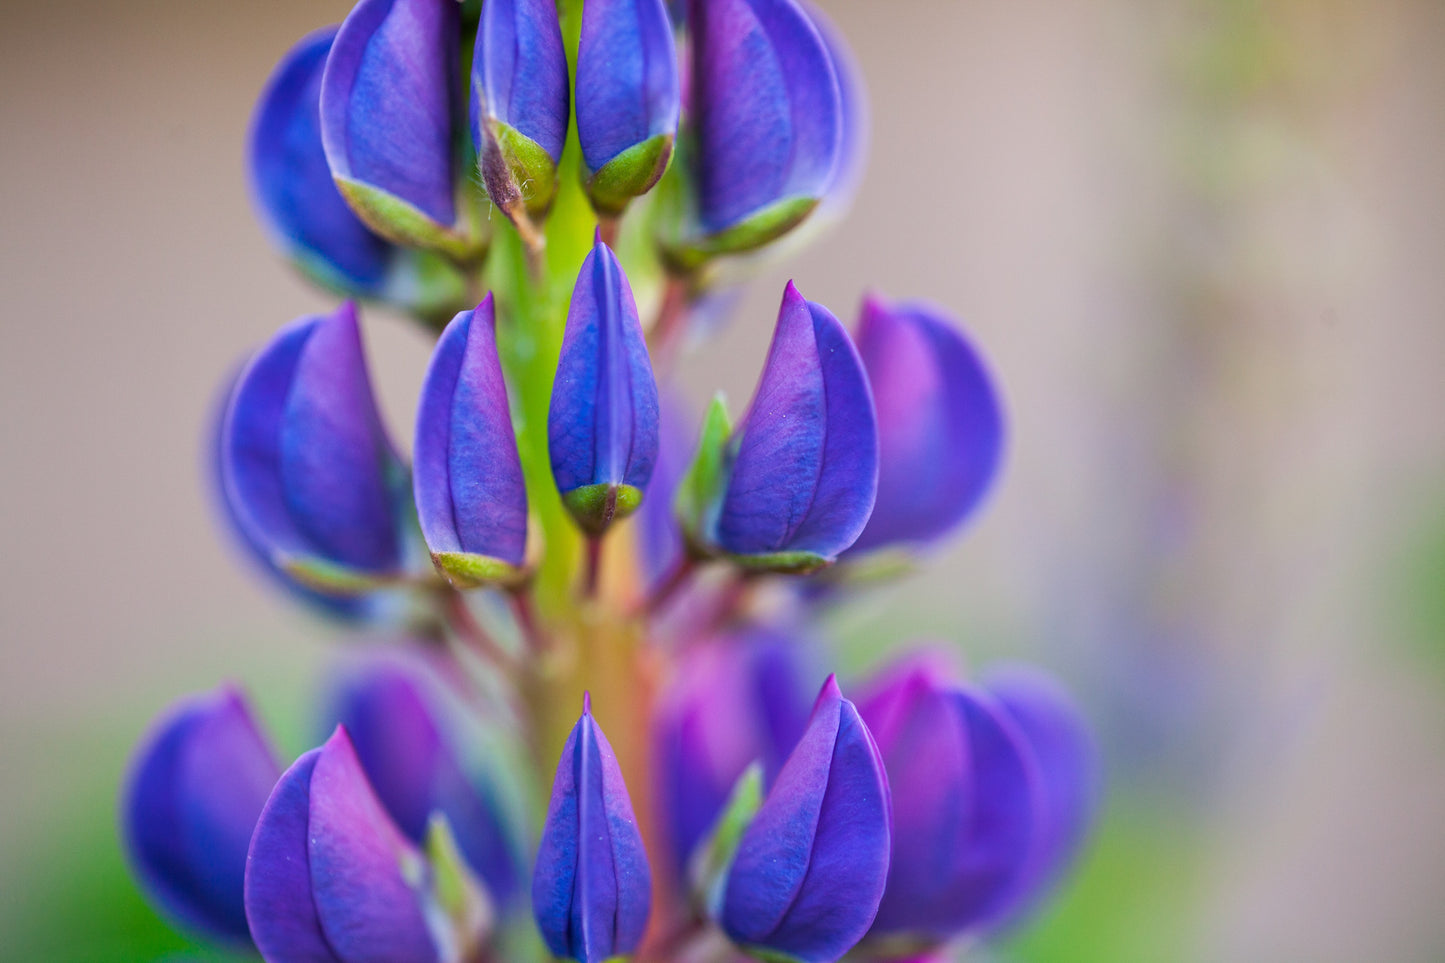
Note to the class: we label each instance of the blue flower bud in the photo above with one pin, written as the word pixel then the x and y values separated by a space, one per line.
pixel 940 426
pixel 799 477
pixel 854 119
pixel 330 878
pixel 388 110
pixel 737 700
pixel 306 467
pixel 304 212
pixel 809 872
pixel 768 118
pixel 196 787
pixel 470 496
pixel 592 889
pixel 409 738
pixel 356 607
pixel 966 807
pixel 628 97
pixel 602 425
pixel 1069 773
pixel 520 103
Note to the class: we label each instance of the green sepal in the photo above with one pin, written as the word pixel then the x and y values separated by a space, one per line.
pixel 707 870
pixel 466 570
pixel 595 507
pixel 405 224
pixel 458 909
pixel 699 494
pixel 767 954
pixel 782 563
pixel 532 171
pixel 690 254
pixel 630 174
pixel 330 578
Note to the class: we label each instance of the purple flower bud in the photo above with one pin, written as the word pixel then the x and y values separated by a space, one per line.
pixel 737 700
pixel 767 112
pixel 329 877
pixel 197 784
pixel 396 713
pixel 388 109
pixel 307 470
pixel 628 98
pixel 804 467
pixel 520 102
pixel 304 212
pixel 470 497
pixel 1068 766
pixel 602 426
pixel 592 889
pixel 809 873
pixel 347 608
pixel 966 807
pixel 940 428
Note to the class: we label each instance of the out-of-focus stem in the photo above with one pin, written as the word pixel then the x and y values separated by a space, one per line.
pixel 459 616
pixel 594 566
pixel 664 338
pixel 673 582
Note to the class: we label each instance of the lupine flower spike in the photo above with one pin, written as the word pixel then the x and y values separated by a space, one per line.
pixel 602 427
pixel 539 429
pixel 592 889
pixel 470 497
pixel 196 789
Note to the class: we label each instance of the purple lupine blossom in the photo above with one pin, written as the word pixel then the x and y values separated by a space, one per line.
pixel 307 470
pixel 603 422
pixel 468 477
pixel 940 425
pixel 808 875
pixel 196 787
pixel 592 888
pixel 628 97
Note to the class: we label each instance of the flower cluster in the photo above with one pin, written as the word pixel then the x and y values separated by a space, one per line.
pixel 566 533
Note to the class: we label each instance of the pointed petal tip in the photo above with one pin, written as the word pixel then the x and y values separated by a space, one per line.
pixel 586 703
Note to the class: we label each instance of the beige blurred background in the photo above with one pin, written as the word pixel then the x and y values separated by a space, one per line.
pixel 1201 241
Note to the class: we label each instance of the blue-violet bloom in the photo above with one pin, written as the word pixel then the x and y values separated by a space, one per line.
pixel 306 467
pixel 592 889
pixel 470 495
pixel 628 98
pixel 740 699
pixel 602 426
pixel 798 479
pixel 303 210
pixel 809 871
pixel 330 878
pixel 1068 767
pixel 519 104
pixel 197 784
pixel 410 743
pixel 966 807
pixel 940 424
pixel 388 112
pixel 767 114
